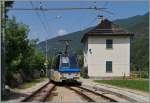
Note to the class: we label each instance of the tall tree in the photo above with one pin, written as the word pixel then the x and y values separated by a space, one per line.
pixel 16 44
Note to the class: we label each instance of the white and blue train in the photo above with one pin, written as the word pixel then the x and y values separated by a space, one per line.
pixel 65 69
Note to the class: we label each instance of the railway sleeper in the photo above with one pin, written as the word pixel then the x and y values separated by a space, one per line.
pixel 82 94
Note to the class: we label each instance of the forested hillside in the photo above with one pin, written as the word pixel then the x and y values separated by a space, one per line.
pixel 54 45
pixel 139 43
pixel 137 24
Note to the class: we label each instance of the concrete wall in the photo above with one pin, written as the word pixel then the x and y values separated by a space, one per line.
pixel 119 55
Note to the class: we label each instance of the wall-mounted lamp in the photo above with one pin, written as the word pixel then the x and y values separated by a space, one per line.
pixel 90 50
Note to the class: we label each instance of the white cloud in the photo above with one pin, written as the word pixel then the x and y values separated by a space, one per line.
pixel 62 32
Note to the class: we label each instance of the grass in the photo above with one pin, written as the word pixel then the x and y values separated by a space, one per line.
pixel 142 85
pixel 30 84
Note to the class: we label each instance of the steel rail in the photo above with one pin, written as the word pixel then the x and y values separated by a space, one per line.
pixel 89 99
pixel 31 96
pixel 117 94
pixel 111 99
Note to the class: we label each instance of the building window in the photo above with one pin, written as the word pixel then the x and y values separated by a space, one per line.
pixel 109 66
pixel 109 43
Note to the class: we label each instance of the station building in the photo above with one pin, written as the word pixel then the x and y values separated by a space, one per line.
pixel 107 50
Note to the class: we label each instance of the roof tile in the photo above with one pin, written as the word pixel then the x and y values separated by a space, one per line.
pixel 106 28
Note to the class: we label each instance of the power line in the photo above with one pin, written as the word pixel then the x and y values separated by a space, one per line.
pixel 90 22
pixel 74 22
pixel 105 4
pixel 61 9
pixel 47 22
pixel 38 15
pixel 57 9
pixel 48 27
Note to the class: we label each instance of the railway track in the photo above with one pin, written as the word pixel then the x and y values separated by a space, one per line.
pixel 117 96
pixel 91 96
pixel 52 92
pixel 41 94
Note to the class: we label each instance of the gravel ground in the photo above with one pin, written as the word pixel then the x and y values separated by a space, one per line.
pixel 62 94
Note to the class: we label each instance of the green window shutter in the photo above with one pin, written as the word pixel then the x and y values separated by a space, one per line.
pixel 109 43
pixel 108 66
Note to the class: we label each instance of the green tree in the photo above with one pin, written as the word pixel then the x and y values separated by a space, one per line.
pixel 140 54
pixel 21 53
pixel 16 44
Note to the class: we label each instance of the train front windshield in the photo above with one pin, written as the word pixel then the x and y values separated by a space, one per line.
pixel 69 62
pixel 65 62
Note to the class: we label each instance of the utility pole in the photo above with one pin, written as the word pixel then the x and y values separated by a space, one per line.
pixel 2 49
pixel 46 58
pixel 46 49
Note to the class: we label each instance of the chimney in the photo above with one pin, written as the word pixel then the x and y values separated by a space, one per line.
pixel 100 18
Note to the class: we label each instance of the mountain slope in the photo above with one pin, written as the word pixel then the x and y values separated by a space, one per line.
pixel 137 24
pixel 54 45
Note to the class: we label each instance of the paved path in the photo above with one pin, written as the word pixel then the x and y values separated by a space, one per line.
pixel 138 95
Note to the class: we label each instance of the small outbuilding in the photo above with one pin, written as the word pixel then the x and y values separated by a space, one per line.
pixel 107 50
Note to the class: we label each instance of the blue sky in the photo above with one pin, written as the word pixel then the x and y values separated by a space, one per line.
pixel 59 23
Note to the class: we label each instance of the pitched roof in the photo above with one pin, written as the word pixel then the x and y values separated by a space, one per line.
pixel 106 28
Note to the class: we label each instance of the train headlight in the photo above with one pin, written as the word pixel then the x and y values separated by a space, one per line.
pixel 61 74
pixel 77 74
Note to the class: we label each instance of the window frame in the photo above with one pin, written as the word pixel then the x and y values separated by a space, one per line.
pixel 61 62
pixel 107 64
pixel 109 45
